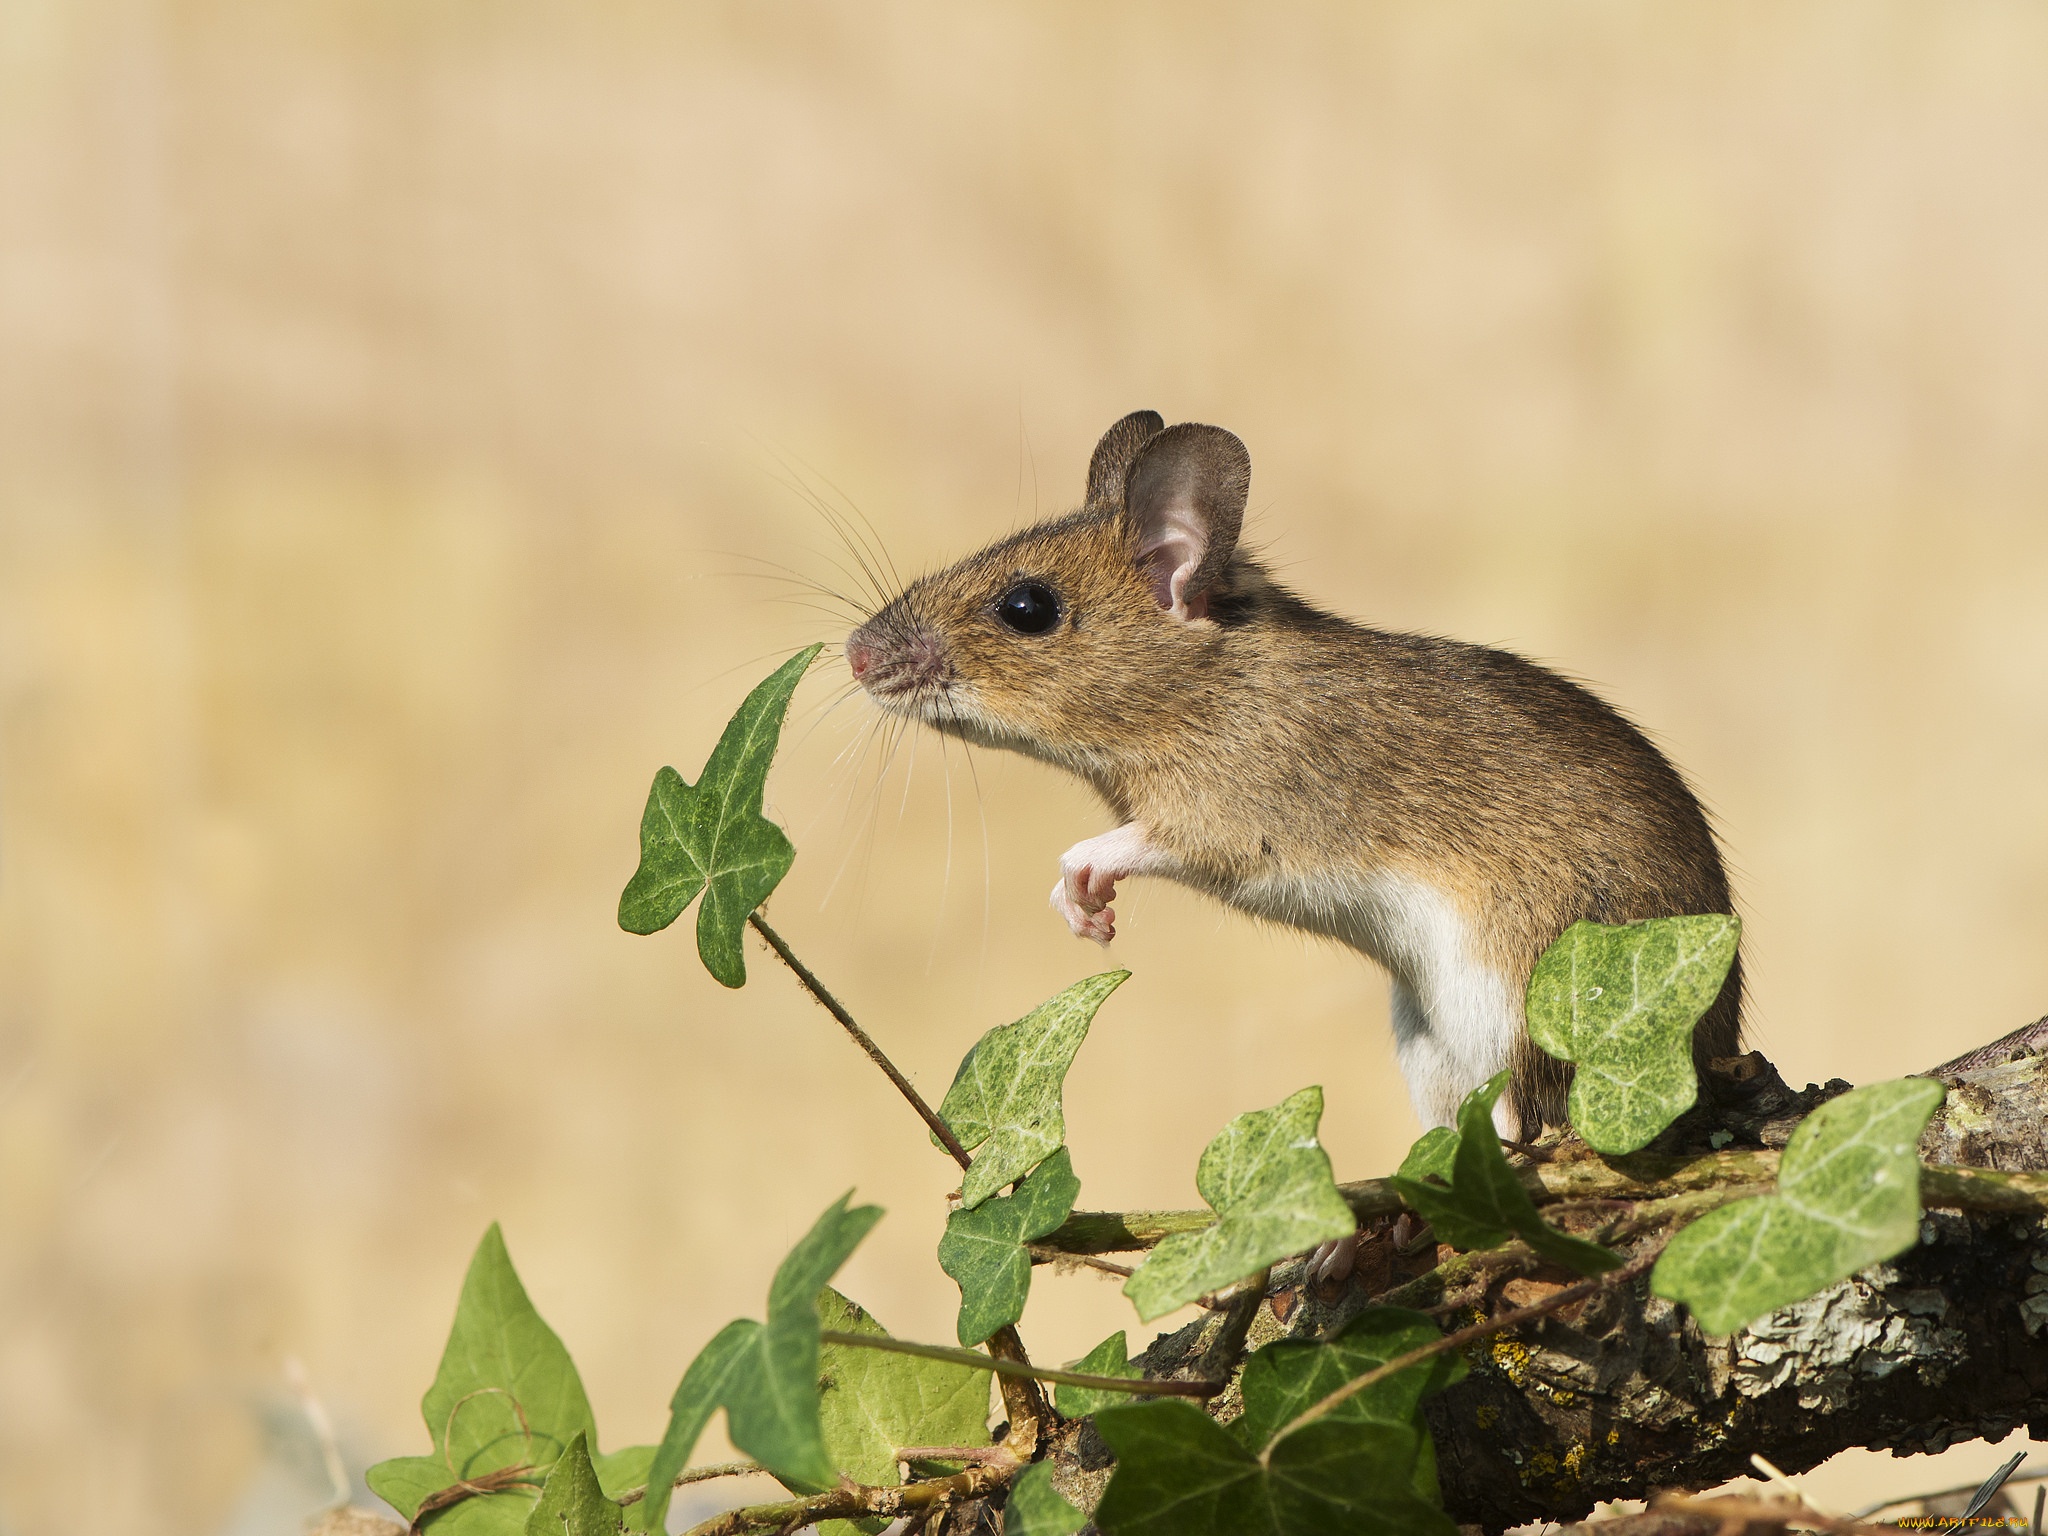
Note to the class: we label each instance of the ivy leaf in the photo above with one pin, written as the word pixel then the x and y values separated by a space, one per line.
pixel 712 837
pixel 509 1508
pixel 618 1471
pixel 1289 1376
pixel 983 1249
pixel 1109 1358
pixel 506 1396
pixel 1035 1507
pixel 872 1404
pixel 1180 1473
pixel 501 1509
pixel 1485 1204
pixel 1269 1181
pixel 765 1376
pixel 572 1503
pixel 1433 1156
pixel 407 1482
pixel 1848 1197
pixel 1005 1098
pixel 732 1350
pixel 1622 1003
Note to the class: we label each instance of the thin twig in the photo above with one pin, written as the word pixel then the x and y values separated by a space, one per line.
pixel 1682 1208
pixel 1054 1257
pixel 1024 1402
pixel 853 1501
pixel 1460 1270
pixel 1787 1489
pixel 1463 1336
pixel 704 1474
pixel 1043 1255
pixel 2026 1474
pixel 861 1038
pixel 1739 1513
pixel 967 1357
pixel 1588 1175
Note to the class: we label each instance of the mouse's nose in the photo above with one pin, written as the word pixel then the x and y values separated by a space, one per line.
pixel 858 656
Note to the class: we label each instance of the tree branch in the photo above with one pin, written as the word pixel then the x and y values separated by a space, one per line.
pixel 1573 1399
pixel 1226 1351
pixel 1450 1341
pixel 1945 1343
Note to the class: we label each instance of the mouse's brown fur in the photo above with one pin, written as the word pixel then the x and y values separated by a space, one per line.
pixel 1283 758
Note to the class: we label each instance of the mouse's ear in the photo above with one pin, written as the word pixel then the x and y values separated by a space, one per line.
pixel 1113 455
pixel 1184 501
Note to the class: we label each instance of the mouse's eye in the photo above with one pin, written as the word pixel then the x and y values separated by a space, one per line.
pixel 1029 608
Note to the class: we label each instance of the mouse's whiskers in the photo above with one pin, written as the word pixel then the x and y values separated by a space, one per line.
pixel 987 863
pixel 873 572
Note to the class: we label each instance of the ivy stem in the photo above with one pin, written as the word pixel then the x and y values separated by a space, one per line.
pixel 1671 1182
pixel 1138 1386
pixel 998 1455
pixel 854 1500
pixel 861 1038
pixel 1024 1402
pixel 1224 1351
pixel 1022 1399
pixel 1556 1299
pixel 1041 1255
pixel 703 1474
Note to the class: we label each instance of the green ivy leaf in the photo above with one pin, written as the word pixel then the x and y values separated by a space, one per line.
pixel 1622 1002
pixel 1289 1376
pixel 1848 1197
pixel 1434 1155
pixel 501 1362
pixel 1485 1204
pixel 765 1376
pixel 619 1471
pixel 1005 1098
pixel 1109 1358
pixel 983 1249
pixel 407 1482
pixel 872 1404
pixel 733 1350
pixel 572 1503
pixel 1180 1473
pixel 712 837
pixel 1269 1181
pixel 1035 1507
pixel 410 1481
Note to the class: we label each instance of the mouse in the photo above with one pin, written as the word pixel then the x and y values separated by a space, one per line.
pixel 1445 809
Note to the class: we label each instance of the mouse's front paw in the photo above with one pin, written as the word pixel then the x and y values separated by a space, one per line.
pixel 1082 897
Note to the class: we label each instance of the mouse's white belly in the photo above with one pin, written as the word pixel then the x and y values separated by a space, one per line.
pixel 1455 1018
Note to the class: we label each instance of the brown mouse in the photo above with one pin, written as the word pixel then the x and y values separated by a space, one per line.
pixel 1446 809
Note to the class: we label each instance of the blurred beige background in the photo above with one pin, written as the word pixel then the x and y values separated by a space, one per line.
pixel 400 405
